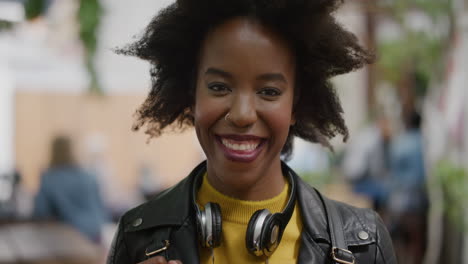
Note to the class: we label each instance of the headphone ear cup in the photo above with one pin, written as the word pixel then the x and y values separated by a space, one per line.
pixel 217 224
pixel 249 240
pixel 201 222
pixel 270 235
pixel 253 236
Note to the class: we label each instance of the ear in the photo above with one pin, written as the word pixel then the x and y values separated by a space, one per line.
pixel 293 119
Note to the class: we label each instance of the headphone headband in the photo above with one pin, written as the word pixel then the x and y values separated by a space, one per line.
pixel 286 214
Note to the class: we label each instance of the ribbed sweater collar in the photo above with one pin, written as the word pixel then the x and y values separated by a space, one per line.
pixel 236 210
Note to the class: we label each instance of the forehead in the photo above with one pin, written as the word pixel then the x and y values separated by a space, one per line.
pixel 246 44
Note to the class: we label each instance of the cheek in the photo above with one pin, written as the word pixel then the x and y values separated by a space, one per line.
pixel 206 112
pixel 280 123
pixel 279 120
pixel 200 114
pixel 202 118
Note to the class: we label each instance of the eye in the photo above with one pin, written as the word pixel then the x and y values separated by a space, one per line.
pixel 269 92
pixel 219 88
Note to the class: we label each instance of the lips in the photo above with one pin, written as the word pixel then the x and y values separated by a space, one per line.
pixel 241 148
pixel 246 146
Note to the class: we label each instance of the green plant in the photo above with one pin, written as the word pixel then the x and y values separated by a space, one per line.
pixel 89 18
pixel 34 8
pixel 5 25
pixel 454 183
pixel 418 52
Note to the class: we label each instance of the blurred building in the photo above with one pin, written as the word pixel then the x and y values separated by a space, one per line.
pixel 44 88
pixel 446 136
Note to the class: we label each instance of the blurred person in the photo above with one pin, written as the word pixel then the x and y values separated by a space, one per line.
pixel 18 204
pixel 249 76
pixel 8 184
pixel 366 162
pixel 22 197
pixel 69 194
pixel 408 202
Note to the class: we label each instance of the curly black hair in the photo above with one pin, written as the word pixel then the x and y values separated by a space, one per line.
pixel 323 49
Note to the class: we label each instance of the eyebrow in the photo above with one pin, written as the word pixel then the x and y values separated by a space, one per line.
pixel 272 77
pixel 216 71
pixel 262 77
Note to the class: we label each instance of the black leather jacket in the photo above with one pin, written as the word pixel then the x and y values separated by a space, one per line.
pixel 170 217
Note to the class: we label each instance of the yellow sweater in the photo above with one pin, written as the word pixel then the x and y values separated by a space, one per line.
pixel 236 215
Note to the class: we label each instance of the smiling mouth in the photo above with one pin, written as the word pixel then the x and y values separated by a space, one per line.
pixel 240 148
pixel 235 145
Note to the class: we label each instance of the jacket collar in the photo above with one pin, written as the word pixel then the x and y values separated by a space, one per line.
pixel 314 217
pixel 176 204
pixel 175 200
pixel 312 210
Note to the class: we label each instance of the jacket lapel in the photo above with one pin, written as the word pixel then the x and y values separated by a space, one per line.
pixel 185 244
pixel 314 223
pixel 169 216
pixel 169 208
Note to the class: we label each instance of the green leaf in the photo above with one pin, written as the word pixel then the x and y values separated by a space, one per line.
pixel 34 8
pixel 89 18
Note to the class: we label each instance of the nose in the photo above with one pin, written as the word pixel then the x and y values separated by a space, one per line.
pixel 243 112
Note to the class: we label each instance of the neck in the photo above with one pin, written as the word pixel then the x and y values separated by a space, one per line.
pixel 252 184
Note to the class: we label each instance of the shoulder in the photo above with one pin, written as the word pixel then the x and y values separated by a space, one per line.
pixel 363 228
pixel 360 224
pixel 170 207
pixel 137 226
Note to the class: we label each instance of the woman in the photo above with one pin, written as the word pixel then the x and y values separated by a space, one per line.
pixel 249 76
pixel 69 194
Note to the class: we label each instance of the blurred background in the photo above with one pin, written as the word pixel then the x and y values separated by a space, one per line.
pixel 67 104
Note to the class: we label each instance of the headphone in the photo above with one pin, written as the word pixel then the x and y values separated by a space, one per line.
pixel 264 230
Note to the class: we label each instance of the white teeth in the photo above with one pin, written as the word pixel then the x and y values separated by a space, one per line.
pixel 244 146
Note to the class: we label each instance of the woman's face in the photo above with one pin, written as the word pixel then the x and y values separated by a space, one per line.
pixel 245 72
